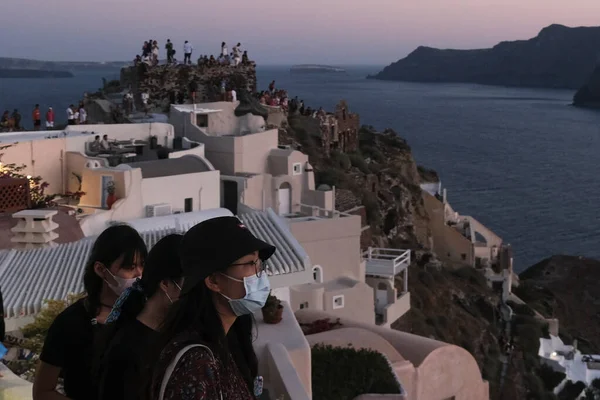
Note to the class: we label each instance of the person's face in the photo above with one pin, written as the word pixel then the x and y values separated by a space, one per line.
pixel 105 137
pixel 118 269
pixel 231 281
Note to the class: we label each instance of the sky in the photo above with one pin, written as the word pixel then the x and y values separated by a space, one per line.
pixel 276 32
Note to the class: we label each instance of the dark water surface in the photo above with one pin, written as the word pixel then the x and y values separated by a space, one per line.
pixel 522 161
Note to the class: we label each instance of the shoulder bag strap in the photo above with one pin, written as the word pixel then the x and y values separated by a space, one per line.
pixel 171 368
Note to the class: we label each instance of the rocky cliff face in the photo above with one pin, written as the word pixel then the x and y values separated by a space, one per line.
pixel 565 287
pixel 558 57
pixel 589 94
pixel 454 305
pixel 382 176
pixel 162 82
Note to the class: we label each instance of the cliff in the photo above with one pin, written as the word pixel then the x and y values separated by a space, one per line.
pixel 589 94
pixel 33 73
pixel 450 304
pixel 162 82
pixel 565 287
pixel 558 57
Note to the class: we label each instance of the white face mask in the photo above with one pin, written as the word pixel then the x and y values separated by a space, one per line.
pixel 122 283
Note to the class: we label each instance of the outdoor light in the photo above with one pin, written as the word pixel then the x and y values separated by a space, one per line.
pixel 553 354
pixel 29 177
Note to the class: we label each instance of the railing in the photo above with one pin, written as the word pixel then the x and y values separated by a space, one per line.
pixel 316 211
pixel 386 262
pixel 14 195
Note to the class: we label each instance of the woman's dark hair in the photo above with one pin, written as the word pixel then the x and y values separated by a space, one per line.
pixel 162 263
pixel 115 242
pixel 195 313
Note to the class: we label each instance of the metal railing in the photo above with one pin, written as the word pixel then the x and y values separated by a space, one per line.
pixel 386 262
pixel 316 211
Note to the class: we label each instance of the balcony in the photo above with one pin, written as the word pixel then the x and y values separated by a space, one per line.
pixel 386 263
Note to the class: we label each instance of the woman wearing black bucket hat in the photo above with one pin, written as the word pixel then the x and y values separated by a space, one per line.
pixel 224 283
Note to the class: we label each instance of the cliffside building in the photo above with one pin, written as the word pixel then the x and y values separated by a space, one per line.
pixel 218 159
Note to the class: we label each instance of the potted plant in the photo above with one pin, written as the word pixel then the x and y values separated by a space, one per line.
pixel 112 197
pixel 273 310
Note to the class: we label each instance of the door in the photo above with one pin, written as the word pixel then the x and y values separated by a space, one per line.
pixel 284 201
pixel 230 196
pixel 381 301
pixel 188 205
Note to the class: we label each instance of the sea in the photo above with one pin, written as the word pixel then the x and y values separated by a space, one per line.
pixel 522 161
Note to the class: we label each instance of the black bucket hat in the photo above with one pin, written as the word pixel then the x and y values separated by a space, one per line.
pixel 215 244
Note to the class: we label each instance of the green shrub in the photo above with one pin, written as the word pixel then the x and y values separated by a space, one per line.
pixel 345 373
pixel 550 377
pixel 359 162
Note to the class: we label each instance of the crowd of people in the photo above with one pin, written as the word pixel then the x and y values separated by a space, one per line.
pixel 150 55
pixel 12 122
pixel 275 97
pixel 172 323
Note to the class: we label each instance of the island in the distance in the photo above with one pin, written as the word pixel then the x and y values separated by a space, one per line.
pixel 33 73
pixel 316 68
pixel 558 57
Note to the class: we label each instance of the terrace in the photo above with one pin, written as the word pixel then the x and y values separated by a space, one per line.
pixel 381 268
pixel 387 263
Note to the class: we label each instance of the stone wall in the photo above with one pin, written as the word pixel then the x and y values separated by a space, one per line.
pixel 164 82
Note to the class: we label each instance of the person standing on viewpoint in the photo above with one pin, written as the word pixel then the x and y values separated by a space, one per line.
pixel 50 118
pixel 71 115
pixel 187 52
pixel 36 116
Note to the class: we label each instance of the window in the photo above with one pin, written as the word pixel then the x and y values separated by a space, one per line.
pixel 304 305
pixel 338 301
pixel 297 169
pixel 188 207
pixel 202 120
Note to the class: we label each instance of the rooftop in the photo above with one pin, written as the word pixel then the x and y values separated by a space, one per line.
pixel 16 137
pixel 173 166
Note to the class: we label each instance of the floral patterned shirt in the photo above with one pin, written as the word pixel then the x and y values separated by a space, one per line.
pixel 200 376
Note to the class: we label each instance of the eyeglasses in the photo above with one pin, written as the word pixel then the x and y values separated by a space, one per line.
pixel 257 264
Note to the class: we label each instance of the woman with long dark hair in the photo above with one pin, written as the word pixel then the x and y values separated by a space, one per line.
pixel 224 283
pixel 131 329
pixel 116 261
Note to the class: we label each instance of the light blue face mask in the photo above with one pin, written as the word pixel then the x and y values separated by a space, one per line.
pixel 257 291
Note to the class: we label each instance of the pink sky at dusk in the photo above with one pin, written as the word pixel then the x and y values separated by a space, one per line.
pixel 277 32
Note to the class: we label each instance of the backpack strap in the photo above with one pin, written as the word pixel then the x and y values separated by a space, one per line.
pixel 171 368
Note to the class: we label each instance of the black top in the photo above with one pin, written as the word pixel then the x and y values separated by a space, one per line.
pixel 125 367
pixel 193 86
pixel 69 346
